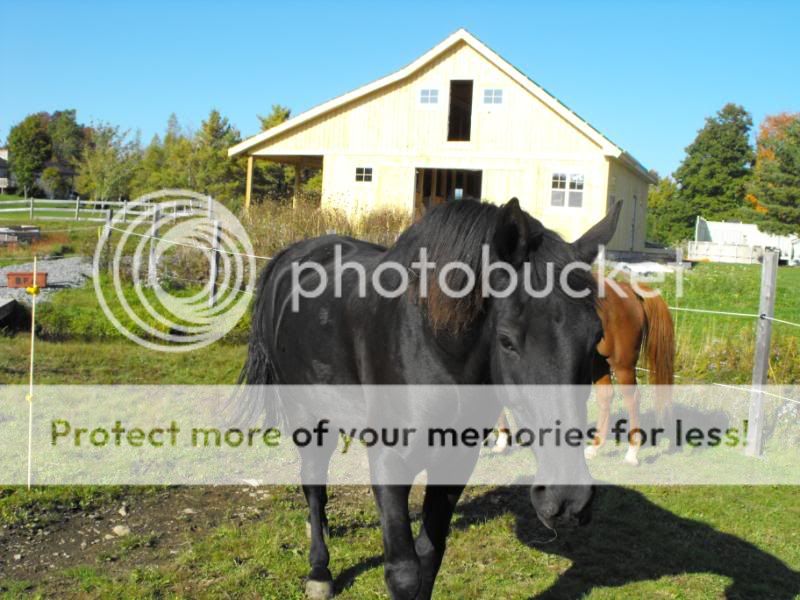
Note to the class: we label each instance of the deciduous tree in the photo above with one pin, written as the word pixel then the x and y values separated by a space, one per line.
pixel 29 148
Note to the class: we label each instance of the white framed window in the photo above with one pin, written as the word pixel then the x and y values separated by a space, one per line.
pixel 558 189
pixel 429 96
pixel 493 96
pixel 575 197
pixel 566 190
pixel 364 174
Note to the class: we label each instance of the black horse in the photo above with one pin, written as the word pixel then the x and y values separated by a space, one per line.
pixel 427 336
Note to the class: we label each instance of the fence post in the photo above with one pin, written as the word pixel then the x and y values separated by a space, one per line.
pixel 30 203
pixel 151 265
pixel 77 206
pixel 213 266
pixel 109 219
pixel 766 308
pixel 124 210
pixel 210 208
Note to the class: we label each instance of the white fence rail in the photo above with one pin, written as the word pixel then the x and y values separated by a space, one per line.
pixel 99 211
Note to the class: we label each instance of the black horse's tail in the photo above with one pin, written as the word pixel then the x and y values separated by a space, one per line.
pixel 254 398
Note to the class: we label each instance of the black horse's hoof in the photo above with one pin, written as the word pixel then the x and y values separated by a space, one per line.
pixel 319 590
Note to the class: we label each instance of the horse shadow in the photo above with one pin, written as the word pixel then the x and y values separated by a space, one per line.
pixel 631 539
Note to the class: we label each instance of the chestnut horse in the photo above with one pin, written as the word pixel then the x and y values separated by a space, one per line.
pixel 632 322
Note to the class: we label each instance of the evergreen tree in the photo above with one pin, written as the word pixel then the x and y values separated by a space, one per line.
pixel 272 180
pixel 217 175
pixel 715 171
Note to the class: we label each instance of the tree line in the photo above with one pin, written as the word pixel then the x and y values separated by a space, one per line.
pixel 724 177
pixel 55 155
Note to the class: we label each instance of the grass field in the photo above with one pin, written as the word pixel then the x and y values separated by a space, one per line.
pixel 660 542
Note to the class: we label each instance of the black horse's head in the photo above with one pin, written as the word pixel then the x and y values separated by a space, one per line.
pixel 544 334
pixel 532 307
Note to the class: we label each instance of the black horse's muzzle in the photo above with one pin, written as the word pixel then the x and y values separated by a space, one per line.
pixel 563 505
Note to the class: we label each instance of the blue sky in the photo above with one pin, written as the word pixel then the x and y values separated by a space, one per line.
pixel 645 74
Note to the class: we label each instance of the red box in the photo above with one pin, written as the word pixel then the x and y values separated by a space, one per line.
pixel 24 280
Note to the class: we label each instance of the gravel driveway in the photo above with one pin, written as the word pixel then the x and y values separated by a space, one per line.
pixel 61 273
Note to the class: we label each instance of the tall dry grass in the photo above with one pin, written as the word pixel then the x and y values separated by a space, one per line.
pixel 273 226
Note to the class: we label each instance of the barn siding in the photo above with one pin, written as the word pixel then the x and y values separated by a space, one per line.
pixel 517 145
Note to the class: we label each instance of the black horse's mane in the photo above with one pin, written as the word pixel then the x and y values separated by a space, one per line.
pixel 456 232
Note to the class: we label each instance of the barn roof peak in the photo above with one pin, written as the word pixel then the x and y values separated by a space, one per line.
pixel 461 35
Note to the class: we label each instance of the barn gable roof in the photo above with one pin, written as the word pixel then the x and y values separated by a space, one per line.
pixel 461 36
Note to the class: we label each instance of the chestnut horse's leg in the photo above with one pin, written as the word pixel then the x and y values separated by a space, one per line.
pixel 601 375
pixel 503 433
pixel 626 377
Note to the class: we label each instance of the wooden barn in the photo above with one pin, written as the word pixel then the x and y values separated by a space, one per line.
pixel 460 121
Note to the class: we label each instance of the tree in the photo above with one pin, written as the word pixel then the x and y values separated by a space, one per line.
pixel 108 163
pixel 713 175
pixel 277 115
pixel 217 175
pixel 667 213
pixel 29 148
pixel 67 137
pixel 774 193
pixel 270 179
pixel 53 182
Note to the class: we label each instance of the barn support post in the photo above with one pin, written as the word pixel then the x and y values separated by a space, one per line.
pixel 248 190
pixel 151 264
pixel 766 308
pixel 296 192
pixel 213 266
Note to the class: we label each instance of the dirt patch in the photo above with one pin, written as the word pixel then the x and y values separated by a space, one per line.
pixel 141 527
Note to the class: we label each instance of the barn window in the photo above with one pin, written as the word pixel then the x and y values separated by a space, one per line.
pixel 459 122
pixel 363 173
pixel 429 96
pixel 493 96
pixel 558 191
pixel 575 199
pixel 567 190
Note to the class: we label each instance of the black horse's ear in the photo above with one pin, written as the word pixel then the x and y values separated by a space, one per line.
pixel 588 245
pixel 517 234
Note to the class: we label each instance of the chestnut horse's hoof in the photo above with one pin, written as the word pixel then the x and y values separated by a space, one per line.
pixel 501 445
pixel 319 590
pixel 590 452
pixel 631 458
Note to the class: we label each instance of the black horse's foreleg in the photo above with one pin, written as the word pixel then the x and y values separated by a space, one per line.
pixel 313 473
pixel 401 565
pixel 437 511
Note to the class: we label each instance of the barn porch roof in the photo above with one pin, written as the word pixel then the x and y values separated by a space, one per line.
pixel 460 36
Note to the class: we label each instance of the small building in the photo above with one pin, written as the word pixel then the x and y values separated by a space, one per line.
pixel 743 243
pixel 458 122
pixel 5 172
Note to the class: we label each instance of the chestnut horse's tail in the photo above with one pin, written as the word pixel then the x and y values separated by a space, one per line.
pixel 658 342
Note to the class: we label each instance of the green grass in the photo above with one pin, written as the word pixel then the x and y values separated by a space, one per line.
pixel 660 542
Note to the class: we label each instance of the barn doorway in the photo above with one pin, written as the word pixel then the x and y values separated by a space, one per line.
pixel 435 186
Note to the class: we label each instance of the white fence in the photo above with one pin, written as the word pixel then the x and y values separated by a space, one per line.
pixel 99 211
pixel 725 253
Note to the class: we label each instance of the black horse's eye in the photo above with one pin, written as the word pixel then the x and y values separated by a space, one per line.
pixel 506 344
